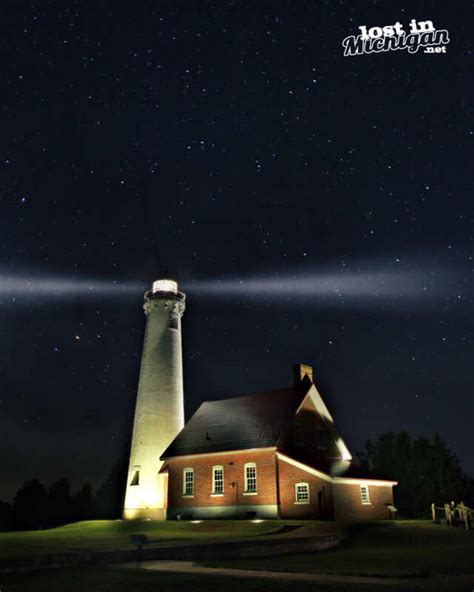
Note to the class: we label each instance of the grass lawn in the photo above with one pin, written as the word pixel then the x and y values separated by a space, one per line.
pixel 398 548
pixel 111 534
pixel 130 580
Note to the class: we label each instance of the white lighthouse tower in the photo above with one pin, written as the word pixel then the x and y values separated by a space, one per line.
pixel 159 412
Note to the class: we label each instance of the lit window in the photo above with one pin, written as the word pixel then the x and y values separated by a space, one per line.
pixel 302 493
pixel 217 480
pixel 188 482
pixel 136 478
pixel 250 478
pixel 364 494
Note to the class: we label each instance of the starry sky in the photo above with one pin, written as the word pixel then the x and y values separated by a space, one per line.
pixel 315 208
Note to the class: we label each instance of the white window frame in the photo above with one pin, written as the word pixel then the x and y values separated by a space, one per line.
pixel 364 495
pixel 302 501
pixel 214 490
pixel 248 491
pixel 188 471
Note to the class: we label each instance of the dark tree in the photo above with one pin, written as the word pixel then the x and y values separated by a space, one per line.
pixel 60 506
pixel 468 496
pixel 110 494
pixel 30 506
pixel 6 516
pixel 426 470
pixel 36 507
pixel 83 503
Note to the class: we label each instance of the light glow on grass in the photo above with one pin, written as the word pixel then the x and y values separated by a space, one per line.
pixel 110 534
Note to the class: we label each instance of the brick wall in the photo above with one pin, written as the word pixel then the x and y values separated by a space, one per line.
pixel 340 501
pixel 320 506
pixel 349 507
pixel 233 464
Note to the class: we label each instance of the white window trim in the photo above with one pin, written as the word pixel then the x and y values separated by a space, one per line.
pixel 301 502
pixel 214 492
pixel 366 502
pixel 187 470
pixel 246 489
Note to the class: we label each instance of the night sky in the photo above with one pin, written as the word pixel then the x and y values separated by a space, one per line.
pixel 315 208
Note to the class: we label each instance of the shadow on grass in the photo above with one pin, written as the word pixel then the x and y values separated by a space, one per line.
pixel 388 549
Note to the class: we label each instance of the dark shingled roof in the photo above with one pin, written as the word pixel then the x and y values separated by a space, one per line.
pixel 252 421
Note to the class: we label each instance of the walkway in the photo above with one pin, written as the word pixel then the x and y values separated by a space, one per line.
pixel 463 582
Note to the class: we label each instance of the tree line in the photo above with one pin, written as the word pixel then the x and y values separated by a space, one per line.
pixel 427 471
pixel 37 506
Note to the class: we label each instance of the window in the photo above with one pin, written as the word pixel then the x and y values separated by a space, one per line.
pixel 364 494
pixel 135 479
pixel 174 322
pixel 302 493
pixel 188 482
pixel 250 474
pixel 217 480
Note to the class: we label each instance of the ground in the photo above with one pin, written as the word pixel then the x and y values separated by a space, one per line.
pixel 396 549
pixel 114 534
pixel 122 580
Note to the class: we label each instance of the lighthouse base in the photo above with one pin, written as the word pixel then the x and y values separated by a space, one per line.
pixel 144 514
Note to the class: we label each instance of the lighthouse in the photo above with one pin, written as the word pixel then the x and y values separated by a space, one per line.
pixel 159 411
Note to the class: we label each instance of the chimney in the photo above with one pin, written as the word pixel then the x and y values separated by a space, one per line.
pixel 302 370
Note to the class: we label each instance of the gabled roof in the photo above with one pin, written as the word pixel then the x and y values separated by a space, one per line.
pixel 252 421
pixel 323 411
pixel 261 421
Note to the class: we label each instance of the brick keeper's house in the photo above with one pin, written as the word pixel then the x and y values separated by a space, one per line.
pixel 276 454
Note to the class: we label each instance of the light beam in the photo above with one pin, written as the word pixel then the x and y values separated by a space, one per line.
pixel 344 286
pixel 28 286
